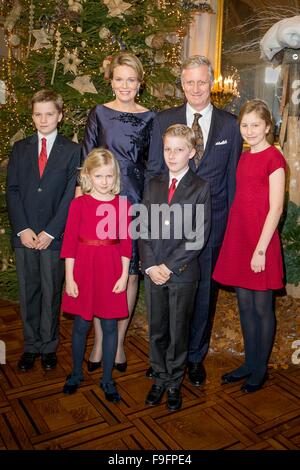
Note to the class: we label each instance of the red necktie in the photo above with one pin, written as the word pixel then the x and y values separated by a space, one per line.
pixel 172 189
pixel 43 156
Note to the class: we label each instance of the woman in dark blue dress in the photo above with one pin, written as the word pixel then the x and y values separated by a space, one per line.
pixel 124 127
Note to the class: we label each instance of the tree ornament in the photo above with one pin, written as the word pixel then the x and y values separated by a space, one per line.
pixel 104 33
pixel 30 26
pixel 116 7
pixel 56 55
pixel 15 40
pixel 19 135
pixel 159 57
pixel 70 61
pixel 43 39
pixel 83 84
pixel 105 68
pixel 13 16
pixel 76 5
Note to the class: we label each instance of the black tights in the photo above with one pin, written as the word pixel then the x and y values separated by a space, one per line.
pixel 258 327
pixel 110 341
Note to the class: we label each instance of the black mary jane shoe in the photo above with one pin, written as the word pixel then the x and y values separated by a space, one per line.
pixel 91 366
pixel 110 393
pixel 121 366
pixel 230 378
pixel 251 388
pixel 69 389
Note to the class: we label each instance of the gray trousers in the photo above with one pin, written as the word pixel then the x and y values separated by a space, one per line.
pixel 41 276
pixel 170 309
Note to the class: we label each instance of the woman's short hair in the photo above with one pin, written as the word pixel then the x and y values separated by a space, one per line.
pixel 95 159
pixel 126 58
pixel 183 131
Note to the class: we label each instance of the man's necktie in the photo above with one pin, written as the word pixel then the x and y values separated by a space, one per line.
pixel 199 139
pixel 43 156
pixel 172 189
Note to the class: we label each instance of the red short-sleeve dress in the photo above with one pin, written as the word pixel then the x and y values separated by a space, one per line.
pixel 245 223
pixel 97 267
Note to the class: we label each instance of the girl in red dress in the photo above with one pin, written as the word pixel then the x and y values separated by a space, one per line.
pixel 97 249
pixel 250 258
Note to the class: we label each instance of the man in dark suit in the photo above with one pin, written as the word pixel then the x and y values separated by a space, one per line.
pixel 219 146
pixel 176 229
pixel 41 180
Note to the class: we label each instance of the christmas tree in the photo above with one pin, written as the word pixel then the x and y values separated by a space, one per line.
pixel 67 45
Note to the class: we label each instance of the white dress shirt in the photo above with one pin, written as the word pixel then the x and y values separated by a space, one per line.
pixel 204 121
pixel 49 143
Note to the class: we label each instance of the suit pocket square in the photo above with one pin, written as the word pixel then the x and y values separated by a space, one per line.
pixel 222 142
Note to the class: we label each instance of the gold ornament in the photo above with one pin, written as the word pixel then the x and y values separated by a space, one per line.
pixel 76 5
pixel 83 84
pixel 105 68
pixel 43 39
pixel 116 7
pixel 70 61
pixel 15 40
pixel 56 56
pixel 13 16
pixel 159 57
pixel 18 136
pixel 104 33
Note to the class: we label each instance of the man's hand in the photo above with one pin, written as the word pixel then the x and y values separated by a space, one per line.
pixel 159 274
pixel 29 238
pixel 43 241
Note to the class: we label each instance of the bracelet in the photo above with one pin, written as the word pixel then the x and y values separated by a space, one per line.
pixel 261 252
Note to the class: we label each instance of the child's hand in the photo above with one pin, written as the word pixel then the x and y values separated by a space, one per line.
pixel 29 238
pixel 43 241
pixel 258 262
pixel 120 285
pixel 72 288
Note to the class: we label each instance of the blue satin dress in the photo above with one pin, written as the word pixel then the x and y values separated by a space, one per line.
pixel 127 136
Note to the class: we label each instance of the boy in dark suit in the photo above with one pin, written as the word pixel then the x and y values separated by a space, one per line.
pixel 41 180
pixel 170 245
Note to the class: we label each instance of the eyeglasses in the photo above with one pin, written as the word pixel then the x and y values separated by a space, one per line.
pixel 199 83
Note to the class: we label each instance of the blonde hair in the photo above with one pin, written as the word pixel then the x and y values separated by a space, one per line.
pixel 44 96
pixel 126 58
pixel 196 61
pixel 183 131
pixel 261 108
pixel 97 158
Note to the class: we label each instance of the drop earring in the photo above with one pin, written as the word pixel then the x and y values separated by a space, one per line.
pixel 113 92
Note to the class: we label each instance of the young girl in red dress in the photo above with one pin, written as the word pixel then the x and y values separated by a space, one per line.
pixel 250 258
pixel 97 249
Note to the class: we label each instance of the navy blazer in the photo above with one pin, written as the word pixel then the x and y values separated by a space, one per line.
pixel 41 203
pixel 154 249
pixel 217 166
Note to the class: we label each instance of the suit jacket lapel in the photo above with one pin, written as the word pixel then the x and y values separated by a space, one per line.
pixel 183 183
pixel 33 153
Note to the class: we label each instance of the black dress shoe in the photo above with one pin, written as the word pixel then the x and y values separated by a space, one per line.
pixel 174 399
pixel 149 373
pixel 49 361
pixel 230 378
pixel 91 366
pixel 26 361
pixel 197 373
pixel 70 388
pixel 251 388
pixel 155 395
pixel 110 393
pixel 121 366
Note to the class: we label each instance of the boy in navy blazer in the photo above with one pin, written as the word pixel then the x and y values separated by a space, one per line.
pixel 41 179
pixel 171 241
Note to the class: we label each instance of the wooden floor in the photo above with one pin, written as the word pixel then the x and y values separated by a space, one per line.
pixel 34 414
